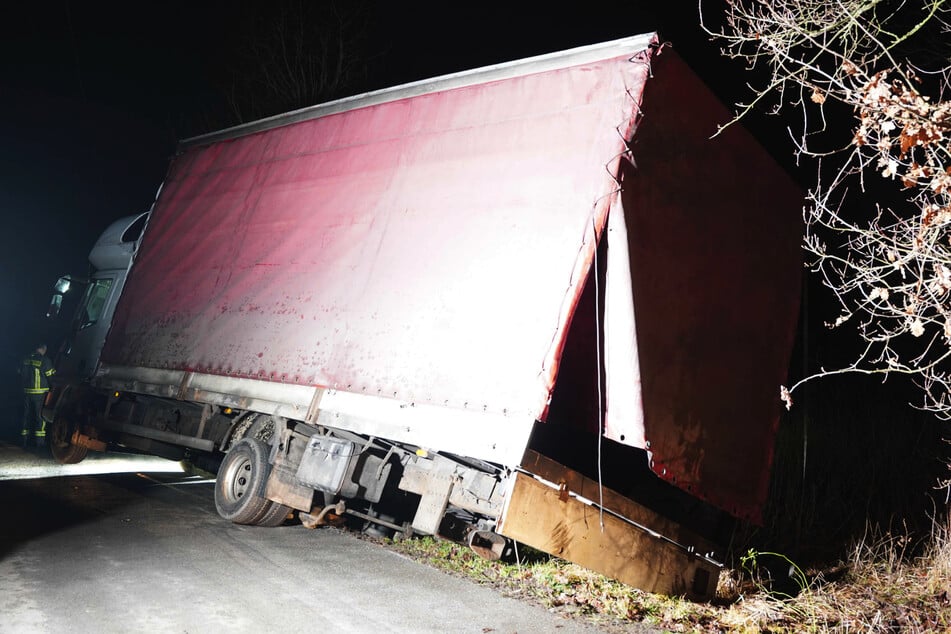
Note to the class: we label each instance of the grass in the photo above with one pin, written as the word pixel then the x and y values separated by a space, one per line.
pixel 558 585
pixel 883 587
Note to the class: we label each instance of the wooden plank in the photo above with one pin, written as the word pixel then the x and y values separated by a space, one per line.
pixel 549 520
pixel 550 470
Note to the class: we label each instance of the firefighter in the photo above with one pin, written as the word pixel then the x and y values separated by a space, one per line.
pixel 35 373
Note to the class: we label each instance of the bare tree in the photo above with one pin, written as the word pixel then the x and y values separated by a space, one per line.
pixel 290 54
pixel 869 79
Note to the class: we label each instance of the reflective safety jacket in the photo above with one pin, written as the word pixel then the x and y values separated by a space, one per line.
pixel 35 373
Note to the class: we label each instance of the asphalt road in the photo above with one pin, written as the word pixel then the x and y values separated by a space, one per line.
pixel 143 550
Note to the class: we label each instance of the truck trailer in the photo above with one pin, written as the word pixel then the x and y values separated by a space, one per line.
pixel 531 302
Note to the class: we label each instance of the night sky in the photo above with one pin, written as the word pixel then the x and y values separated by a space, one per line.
pixel 93 97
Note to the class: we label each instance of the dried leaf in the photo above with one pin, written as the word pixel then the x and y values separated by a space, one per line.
pixel 907 141
pixel 785 396
pixel 841 319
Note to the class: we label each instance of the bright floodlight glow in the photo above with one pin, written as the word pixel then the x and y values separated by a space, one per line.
pixel 30 466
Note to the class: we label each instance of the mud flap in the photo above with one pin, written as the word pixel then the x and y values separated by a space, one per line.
pixel 283 486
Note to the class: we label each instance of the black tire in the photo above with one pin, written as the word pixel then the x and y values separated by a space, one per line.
pixel 60 436
pixel 241 484
pixel 274 516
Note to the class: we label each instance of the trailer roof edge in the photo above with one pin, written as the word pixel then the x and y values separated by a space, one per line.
pixel 505 70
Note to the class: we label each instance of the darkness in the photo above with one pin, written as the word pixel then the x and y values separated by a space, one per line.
pixel 94 97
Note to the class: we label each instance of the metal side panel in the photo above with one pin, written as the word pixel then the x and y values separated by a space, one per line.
pixel 622 542
pixel 281 399
pixel 473 433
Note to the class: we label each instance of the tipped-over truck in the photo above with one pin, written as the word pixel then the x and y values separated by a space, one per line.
pixel 532 302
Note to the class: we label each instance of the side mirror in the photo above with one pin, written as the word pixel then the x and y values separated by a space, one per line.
pixel 55 304
pixel 62 285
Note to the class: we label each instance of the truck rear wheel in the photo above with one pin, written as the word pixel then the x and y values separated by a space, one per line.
pixel 61 444
pixel 241 483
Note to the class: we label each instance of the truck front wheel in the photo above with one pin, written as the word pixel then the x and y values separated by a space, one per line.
pixel 60 438
pixel 241 484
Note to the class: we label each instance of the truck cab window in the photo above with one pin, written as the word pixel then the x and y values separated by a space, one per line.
pixel 95 301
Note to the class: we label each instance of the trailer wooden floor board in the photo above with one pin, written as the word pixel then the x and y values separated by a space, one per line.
pixel 623 542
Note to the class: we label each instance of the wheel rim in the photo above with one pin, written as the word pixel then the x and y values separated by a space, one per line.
pixel 239 478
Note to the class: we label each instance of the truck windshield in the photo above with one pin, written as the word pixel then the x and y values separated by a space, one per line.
pixel 94 302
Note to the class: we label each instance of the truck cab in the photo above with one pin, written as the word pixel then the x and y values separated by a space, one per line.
pixel 110 258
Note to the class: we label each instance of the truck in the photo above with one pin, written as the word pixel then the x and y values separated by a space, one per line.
pixel 531 303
